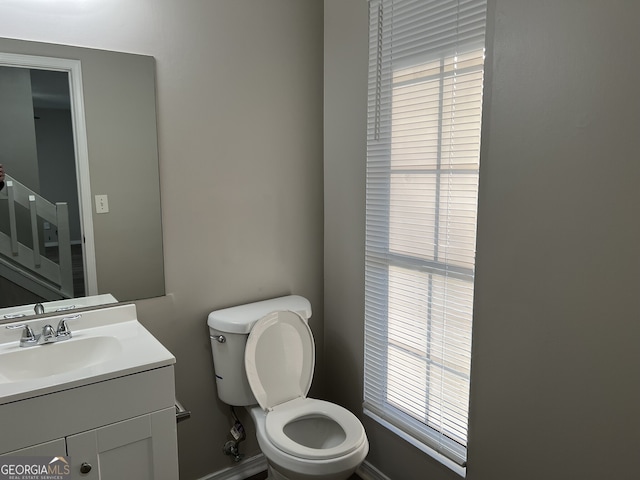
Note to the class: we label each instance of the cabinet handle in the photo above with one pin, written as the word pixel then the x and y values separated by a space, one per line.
pixel 85 467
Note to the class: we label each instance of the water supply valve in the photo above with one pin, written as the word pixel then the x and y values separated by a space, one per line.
pixel 231 448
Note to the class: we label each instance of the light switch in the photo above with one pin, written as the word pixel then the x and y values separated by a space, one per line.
pixel 102 204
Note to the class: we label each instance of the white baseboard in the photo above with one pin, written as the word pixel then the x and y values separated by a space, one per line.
pixel 244 469
pixel 366 471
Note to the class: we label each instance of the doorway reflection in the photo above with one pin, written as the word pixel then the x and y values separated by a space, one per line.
pixel 39 152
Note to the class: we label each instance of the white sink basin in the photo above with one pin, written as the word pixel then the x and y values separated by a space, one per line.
pixel 56 358
pixel 106 343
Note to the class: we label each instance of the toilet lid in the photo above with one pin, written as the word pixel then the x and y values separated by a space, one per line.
pixel 279 358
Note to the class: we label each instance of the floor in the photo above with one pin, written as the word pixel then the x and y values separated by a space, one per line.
pixel 263 476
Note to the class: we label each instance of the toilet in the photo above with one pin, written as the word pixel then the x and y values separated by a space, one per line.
pixel 264 357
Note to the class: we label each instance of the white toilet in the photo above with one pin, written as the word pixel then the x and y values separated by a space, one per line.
pixel 264 355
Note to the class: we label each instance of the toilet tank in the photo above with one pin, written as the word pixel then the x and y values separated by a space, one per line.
pixel 229 329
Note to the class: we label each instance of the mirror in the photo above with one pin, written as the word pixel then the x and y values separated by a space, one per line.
pixel 115 147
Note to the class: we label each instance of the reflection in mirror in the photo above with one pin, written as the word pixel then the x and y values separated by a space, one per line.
pixel 70 305
pixel 113 158
pixel 38 132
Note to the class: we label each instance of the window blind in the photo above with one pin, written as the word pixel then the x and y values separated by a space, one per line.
pixel 423 142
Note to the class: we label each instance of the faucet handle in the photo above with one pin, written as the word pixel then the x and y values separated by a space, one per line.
pixel 63 329
pixel 28 337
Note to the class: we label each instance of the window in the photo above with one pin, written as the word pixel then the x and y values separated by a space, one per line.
pixel 423 147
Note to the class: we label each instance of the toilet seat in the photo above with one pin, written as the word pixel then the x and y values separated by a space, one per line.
pixel 302 408
pixel 279 361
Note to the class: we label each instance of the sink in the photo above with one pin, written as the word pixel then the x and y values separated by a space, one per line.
pixel 107 342
pixel 56 358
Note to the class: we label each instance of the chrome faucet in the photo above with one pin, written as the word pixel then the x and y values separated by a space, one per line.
pixel 48 335
pixel 28 338
pixel 38 308
pixel 63 332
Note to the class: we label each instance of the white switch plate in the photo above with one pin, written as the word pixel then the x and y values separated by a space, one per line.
pixel 102 204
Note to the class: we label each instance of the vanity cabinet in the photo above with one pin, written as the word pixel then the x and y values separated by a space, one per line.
pixel 139 448
pixel 120 429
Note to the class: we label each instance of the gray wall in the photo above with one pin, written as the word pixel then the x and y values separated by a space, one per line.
pixel 239 99
pixel 57 165
pixel 17 128
pixel 556 360
pixel 19 154
pixel 345 114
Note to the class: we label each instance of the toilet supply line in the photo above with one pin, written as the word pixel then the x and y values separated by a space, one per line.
pixel 232 447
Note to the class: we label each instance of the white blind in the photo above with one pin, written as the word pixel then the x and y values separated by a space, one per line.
pixel 423 142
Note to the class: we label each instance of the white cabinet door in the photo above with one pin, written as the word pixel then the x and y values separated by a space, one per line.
pixel 142 448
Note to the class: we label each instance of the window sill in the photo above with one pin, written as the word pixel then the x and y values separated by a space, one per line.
pixel 450 464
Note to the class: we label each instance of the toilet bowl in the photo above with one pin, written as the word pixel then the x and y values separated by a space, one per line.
pixel 307 461
pixel 301 437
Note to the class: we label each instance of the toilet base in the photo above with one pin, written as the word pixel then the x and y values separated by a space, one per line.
pixel 273 473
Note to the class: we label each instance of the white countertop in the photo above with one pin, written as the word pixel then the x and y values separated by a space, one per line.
pixel 132 349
